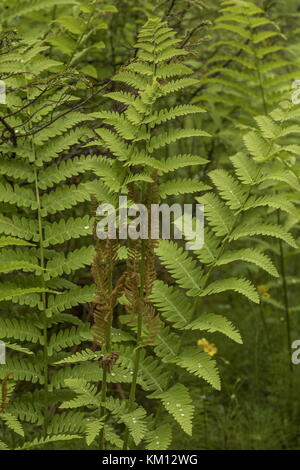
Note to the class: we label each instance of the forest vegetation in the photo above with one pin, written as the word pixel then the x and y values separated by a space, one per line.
pixel 121 343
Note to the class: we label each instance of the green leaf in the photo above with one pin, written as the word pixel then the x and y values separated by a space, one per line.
pixel 177 402
pixel 160 438
pixel 201 365
pixel 180 265
pixel 93 427
pixel 243 286
pixel 211 323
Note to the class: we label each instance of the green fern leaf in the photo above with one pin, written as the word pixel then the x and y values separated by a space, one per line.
pixel 166 138
pixel 243 286
pixel 211 322
pixel 160 438
pixel 172 303
pixel 59 232
pixel 270 230
pixel 230 190
pixel 8 241
pixel 201 365
pixel 181 186
pixel 40 442
pixel 93 427
pixel 12 423
pixel 218 215
pixel 181 266
pixel 249 255
pixel 177 402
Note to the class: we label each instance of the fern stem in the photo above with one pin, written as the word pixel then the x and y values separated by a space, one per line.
pixel 44 302
pixel 43 295
pixel 137 356
pixel 105 368
pixel 285 297
pixel 102 410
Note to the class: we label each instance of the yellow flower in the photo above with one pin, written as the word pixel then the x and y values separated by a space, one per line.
pixel 264 291
pixel 209 348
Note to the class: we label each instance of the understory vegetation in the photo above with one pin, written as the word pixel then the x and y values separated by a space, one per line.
pixel 123 343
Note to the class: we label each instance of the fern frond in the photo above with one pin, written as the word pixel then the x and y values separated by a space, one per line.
pixel 218 215
pixel 136 423
pixel 152 374
pixel 249 255
pixel 230 190
pixel 181 161
pixel 20 329
pixel 59 232
pixel 67 422
pixel 67 338
pixel 55 174
pixel 181 266
pixel 81 356
pixel 68 299
pixel 165 115
pixel 211 322
pixel 12 423
pixel 61 263
pixel 23 369
pixel 176 85
pixel 166 138
pixel 181 186
pixel 16 195
pixel 172 303
pixel 270 230
pixel 160 438
pixel 19 266
pixel 167 345
pixel 21 227
pixel 63 198
pixel 209 253
pixel 93 427
pixel 39 442
pixel 8 241
pixel 59 127
pixel 243 286
pixel 177 402
pixel 201 365
pixel 12 293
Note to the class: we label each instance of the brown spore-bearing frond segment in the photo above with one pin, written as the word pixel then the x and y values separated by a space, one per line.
pixel 94 205
pixel 105 296
pixel 5 395
pixel 150 266
pixel 132 281
pixel 137 303
pixel 151 324
pixel 108 361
